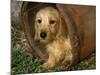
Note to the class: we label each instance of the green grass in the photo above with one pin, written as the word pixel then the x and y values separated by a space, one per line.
pixel 23 62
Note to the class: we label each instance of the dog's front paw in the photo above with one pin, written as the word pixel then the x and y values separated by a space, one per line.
pixel 45 65
pixel 48 65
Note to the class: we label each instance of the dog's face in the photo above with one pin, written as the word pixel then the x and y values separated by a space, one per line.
pixel 47 23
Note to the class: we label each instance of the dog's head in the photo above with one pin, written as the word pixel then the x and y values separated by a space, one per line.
pixel 48 25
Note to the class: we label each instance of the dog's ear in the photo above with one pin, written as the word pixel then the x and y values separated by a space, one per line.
pixel 62 27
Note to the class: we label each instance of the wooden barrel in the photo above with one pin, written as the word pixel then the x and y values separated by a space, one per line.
pixel 80 21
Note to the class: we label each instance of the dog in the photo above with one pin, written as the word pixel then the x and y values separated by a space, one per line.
pixel 51 32
pixel 52 35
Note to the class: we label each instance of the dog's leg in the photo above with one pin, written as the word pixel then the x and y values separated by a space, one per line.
pixel 67 62
pixel 50 62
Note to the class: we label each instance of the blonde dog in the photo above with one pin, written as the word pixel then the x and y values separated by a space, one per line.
pixel 51 30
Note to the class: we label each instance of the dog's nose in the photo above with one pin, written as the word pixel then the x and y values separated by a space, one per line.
pixel 43 34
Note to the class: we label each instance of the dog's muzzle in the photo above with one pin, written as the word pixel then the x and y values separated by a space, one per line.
pixel 43 35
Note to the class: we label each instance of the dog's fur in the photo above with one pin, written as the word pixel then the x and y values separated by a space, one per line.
pixel 57 42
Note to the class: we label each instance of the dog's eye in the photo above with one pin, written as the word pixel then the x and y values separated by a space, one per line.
pixel 39 21
pixel 52 22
